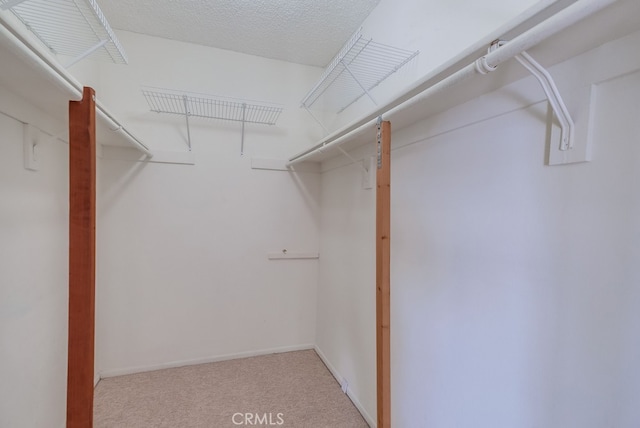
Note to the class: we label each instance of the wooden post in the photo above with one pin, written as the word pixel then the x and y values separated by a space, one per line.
pixel 82 230
pixel 383 262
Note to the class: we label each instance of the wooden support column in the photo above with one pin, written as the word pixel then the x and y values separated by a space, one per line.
pixel 383 262
pixel 82 232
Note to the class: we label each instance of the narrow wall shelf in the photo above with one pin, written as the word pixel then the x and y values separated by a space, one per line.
pixel 210 107
pixel 360 66
pixel 74 28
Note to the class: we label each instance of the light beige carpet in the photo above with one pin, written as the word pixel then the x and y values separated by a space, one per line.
pixel 291 390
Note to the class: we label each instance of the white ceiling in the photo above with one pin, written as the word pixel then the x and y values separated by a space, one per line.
pixel 301 31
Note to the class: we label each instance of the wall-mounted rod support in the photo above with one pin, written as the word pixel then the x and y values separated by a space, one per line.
pixel 354 161
pixel 555 99
pixel 548 86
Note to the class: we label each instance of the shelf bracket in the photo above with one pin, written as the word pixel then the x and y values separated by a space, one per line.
pixel 326 131
pixel 186 117
pixel 366 91
pixel 555 99
pixel 88 52
pixel 353 161
pixel 567 127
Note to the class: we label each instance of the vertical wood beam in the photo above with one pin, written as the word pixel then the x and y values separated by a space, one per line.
pixel 82 230
pixel 383 279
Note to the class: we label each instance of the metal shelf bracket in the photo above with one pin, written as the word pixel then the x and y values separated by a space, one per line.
pixel 186 118
pixel 555 99
pixel 359 67
pixel 567 126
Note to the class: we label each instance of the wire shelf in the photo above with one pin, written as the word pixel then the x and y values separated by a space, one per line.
pixel 75 28
pixel 189 104
pixel 360 66
pixel 210 107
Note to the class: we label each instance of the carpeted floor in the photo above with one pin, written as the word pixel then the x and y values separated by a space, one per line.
pixel 291 390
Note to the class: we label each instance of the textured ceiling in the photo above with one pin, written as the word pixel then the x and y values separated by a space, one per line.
pixel 301 31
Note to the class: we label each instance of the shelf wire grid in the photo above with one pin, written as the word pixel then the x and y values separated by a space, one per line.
pixel 69 27
pixel 210 107
pixel 361 64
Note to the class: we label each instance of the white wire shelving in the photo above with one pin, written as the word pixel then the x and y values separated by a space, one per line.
pixel 73 28
pixel 189 104
pixel 360 66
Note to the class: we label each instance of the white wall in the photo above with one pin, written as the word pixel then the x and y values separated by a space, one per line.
pixel 440 31
pixel 514 284
pixel 33 274
pixel 183 274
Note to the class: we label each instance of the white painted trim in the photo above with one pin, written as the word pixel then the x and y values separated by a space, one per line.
pixel 367 417
pixel 173 364
pixel 96 379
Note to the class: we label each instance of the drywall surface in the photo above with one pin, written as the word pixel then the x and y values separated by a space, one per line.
pixel 345 332
pixel 183 273
pixel 439 30
pixel 33 273
pixel 514 295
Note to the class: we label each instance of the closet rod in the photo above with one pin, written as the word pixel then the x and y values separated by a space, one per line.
pixel 21 45
pixel 426 88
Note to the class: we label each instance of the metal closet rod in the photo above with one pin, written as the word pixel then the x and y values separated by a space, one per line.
pixel 425 88
pixel 21 45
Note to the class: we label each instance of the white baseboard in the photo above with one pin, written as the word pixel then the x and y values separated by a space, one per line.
pixel 367 417
pixel 173 364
